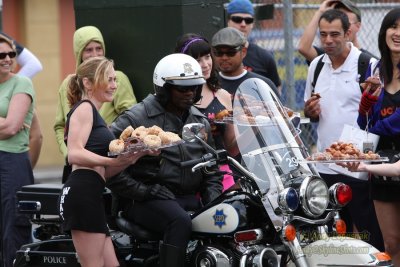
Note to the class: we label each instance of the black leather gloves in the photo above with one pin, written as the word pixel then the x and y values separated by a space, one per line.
pixel 159 192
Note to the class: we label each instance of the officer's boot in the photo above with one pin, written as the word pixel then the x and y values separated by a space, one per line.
pixel 172 256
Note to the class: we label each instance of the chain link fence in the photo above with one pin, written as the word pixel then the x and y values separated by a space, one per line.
pixel 281 35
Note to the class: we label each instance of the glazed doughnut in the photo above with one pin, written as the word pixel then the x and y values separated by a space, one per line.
pixel 126 133
pixel 169 137
pixel 139 132
pixel 131 141
pixel 116 146
pixel 152 141
pixel 154 130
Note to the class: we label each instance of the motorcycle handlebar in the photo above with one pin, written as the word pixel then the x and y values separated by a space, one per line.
pixel 190 163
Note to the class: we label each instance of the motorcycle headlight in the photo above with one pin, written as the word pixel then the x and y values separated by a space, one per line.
pixel 314 196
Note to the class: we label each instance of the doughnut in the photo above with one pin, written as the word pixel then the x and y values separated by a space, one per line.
pixel 289 111
pixel 132 141
pixel 152 141
pixel 154 130
pixel 116 146
pixel 375 82
pixel 222 114
pixel 169 137
pixel 126 133
pixel 247 119
pixel 316 95
pixel 343 150
pixel 139 132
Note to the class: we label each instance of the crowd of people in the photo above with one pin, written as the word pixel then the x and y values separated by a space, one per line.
pixel 198 80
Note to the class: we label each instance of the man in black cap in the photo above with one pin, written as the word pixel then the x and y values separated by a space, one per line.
pixel 306 47
pixel 229 50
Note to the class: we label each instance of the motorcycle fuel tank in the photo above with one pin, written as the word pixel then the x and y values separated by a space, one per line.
pixel 219 219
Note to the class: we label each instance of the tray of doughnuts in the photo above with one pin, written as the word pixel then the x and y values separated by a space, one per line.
pixel 254 114
pixel 344 152
pixel 142 138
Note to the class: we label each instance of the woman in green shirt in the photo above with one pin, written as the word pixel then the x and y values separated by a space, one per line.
pixel 17 100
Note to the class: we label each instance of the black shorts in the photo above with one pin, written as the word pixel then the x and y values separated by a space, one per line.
pixel 387 192
pixel 81 203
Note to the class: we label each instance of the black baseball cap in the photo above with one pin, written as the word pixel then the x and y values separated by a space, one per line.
pixel 349 5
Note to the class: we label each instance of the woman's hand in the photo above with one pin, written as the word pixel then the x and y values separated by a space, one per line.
pixel 130 158
pixel 353 166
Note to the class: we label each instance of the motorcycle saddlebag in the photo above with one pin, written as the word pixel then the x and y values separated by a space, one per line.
pixel 43 199
pixel 54 252
pixel 39 198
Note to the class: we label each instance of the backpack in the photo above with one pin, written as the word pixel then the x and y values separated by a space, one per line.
pixel 363 63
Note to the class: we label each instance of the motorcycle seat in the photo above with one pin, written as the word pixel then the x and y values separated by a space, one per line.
pixel 139 232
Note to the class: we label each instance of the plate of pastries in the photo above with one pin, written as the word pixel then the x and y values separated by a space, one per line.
pixel 251 111
pixel 344 152
pixel 142 138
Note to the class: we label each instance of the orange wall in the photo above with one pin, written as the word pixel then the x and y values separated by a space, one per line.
pixel 46 28
pixel 67 28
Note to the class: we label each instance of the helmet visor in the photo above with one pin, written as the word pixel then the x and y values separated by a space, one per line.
pixel 185 81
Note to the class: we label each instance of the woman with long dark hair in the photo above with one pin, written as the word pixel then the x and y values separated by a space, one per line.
pixel 379 112
pixel 214 99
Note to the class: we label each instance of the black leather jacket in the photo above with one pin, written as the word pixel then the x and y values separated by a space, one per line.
pixel 164 169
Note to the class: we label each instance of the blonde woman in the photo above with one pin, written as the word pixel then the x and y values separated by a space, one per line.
pixel 87 138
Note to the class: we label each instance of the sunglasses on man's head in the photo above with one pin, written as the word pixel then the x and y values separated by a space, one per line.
pixel 230 52
pixel 11 54
pixel 239 19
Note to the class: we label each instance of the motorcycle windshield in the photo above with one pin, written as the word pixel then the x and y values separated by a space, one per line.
pixel 267 139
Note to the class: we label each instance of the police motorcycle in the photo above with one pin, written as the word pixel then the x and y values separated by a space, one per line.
pixel 275 215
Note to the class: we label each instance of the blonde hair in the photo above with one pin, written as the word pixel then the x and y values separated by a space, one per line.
pixel 96 70
pixel 5 39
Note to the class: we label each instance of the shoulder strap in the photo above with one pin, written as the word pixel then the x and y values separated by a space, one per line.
pixel 363 63
pixel 317 71
pixel 66 127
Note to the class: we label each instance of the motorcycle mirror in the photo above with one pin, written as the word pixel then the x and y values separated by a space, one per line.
pixel 295 119
pixel 192 131
pixel 196 131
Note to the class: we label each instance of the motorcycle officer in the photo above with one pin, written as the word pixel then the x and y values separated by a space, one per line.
pixel 163 191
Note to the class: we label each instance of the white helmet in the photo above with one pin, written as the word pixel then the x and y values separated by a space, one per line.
pixel 178 69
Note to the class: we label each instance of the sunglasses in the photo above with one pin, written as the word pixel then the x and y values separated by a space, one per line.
pixel 10 54
pixel 229 53
pixel 239 19
pixel 184 89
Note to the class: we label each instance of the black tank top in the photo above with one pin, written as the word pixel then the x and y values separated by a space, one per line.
pixel 100 136
pixel 217 130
